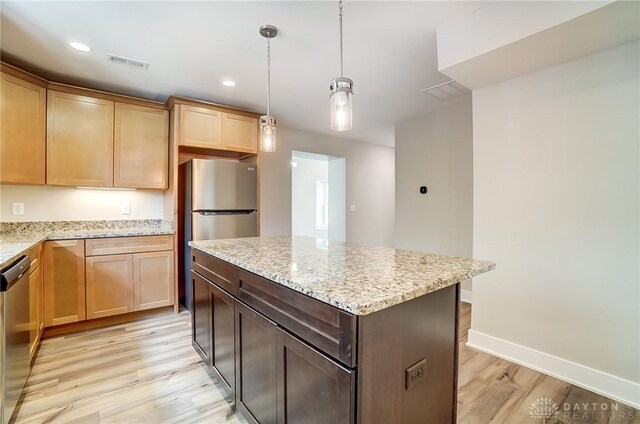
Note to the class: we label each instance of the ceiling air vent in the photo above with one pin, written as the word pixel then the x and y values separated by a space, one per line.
pixel 128 62
pixel 447 90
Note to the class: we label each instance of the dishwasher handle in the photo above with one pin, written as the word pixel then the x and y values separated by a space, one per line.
pixel 14 272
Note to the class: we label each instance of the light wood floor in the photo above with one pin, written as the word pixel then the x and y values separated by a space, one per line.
pixel 147 372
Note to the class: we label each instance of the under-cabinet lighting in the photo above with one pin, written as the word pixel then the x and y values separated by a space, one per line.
pixel 80 47
pixel 107 188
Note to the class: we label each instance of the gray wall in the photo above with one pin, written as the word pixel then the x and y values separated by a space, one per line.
pixel 436 151
pixel 370 179
pixel 556 206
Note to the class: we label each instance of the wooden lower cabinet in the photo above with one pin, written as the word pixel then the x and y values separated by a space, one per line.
pixel 118 284
pixel 301 361
pixel 36 318
pixel 64 282
pixel 312 388
pixel 109 285
pixel 256 365
pixel 223 360
pixel 213 319
pixel 273 376
pixel 201 317
pixel 152 280
pixel 116 276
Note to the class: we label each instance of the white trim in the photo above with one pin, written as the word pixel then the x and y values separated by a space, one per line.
pixel 608 385
pixel 465 296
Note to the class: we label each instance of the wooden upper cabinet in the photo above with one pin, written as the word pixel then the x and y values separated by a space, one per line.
pixel 200 127
pixel 239 133
pixel 141 147
pixel 22 133
pixel 79 140
pixel 64 288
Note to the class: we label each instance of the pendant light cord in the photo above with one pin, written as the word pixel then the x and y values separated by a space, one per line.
pixel 269 76
pixel 341 54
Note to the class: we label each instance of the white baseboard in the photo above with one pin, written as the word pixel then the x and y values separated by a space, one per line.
pixel 465 296
pixel 608 385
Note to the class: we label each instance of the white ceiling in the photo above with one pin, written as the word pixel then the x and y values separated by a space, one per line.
pixel 389 47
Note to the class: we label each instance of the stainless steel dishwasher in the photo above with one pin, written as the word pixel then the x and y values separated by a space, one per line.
pixel 15 327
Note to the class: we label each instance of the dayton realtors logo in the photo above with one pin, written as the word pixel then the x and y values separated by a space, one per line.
pixel 544 408
pixel 583 412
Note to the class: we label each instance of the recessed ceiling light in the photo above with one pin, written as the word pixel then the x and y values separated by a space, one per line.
pixel 228 83
pixel 80 47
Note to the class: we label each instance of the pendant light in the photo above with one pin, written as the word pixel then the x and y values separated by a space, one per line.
pixel 341 94
pixel 268 122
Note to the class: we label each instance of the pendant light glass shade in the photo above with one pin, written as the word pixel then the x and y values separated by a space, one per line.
pixel 267 134
pixel 341 104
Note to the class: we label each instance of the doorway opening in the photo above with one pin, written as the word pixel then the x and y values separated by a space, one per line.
pixel 318 196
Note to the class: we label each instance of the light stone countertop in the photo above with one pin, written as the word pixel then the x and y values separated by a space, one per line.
pixel 356 278
pixel 16 239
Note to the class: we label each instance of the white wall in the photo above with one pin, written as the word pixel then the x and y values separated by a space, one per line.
pixel 337 199
pixel 507 39
pixel 44 203
pixel 436 151
pixel 303 195
pixel 556 165
pixel 370 185
pixel 497 24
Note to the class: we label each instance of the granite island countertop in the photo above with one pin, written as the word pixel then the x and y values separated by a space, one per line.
pixel 17 238
pixel 356 278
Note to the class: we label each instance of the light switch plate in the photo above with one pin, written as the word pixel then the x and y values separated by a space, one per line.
pixel 126 209
pixel 352 208
pixel 18 208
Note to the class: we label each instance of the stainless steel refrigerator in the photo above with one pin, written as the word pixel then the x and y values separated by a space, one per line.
pixel 220 202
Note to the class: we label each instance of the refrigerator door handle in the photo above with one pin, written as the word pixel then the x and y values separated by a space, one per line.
pixel 229 212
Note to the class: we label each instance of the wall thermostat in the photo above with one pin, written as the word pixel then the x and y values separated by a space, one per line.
pixel 423 190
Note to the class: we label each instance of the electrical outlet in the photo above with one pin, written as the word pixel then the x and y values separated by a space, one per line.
pixel 126 209
pixel 415 374
pixel 352 208
pixel 18 208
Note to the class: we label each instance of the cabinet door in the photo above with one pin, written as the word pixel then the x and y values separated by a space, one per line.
pixel 35 309
pixel 141 147
pixel 312 388
pixel 152 280
pixel 109 285
pixel 79 140
pixel 239 133
pixel 64 287
pixel 41 301
pixel 201 317
pixel 200 127
pixel 223 359
pixel 256 360
pixel 22 133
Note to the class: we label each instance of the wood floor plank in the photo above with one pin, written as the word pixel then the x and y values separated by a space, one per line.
pixel 147 372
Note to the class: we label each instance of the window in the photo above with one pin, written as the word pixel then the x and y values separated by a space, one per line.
pixel 322 204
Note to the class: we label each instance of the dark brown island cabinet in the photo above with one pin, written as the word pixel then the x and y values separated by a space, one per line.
pixel 284 357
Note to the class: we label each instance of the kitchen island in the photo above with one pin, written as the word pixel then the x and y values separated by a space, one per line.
pixel 300 330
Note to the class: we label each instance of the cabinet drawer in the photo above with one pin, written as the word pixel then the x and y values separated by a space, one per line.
pixel 121 245
pixel 328 328
pixel 217 271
